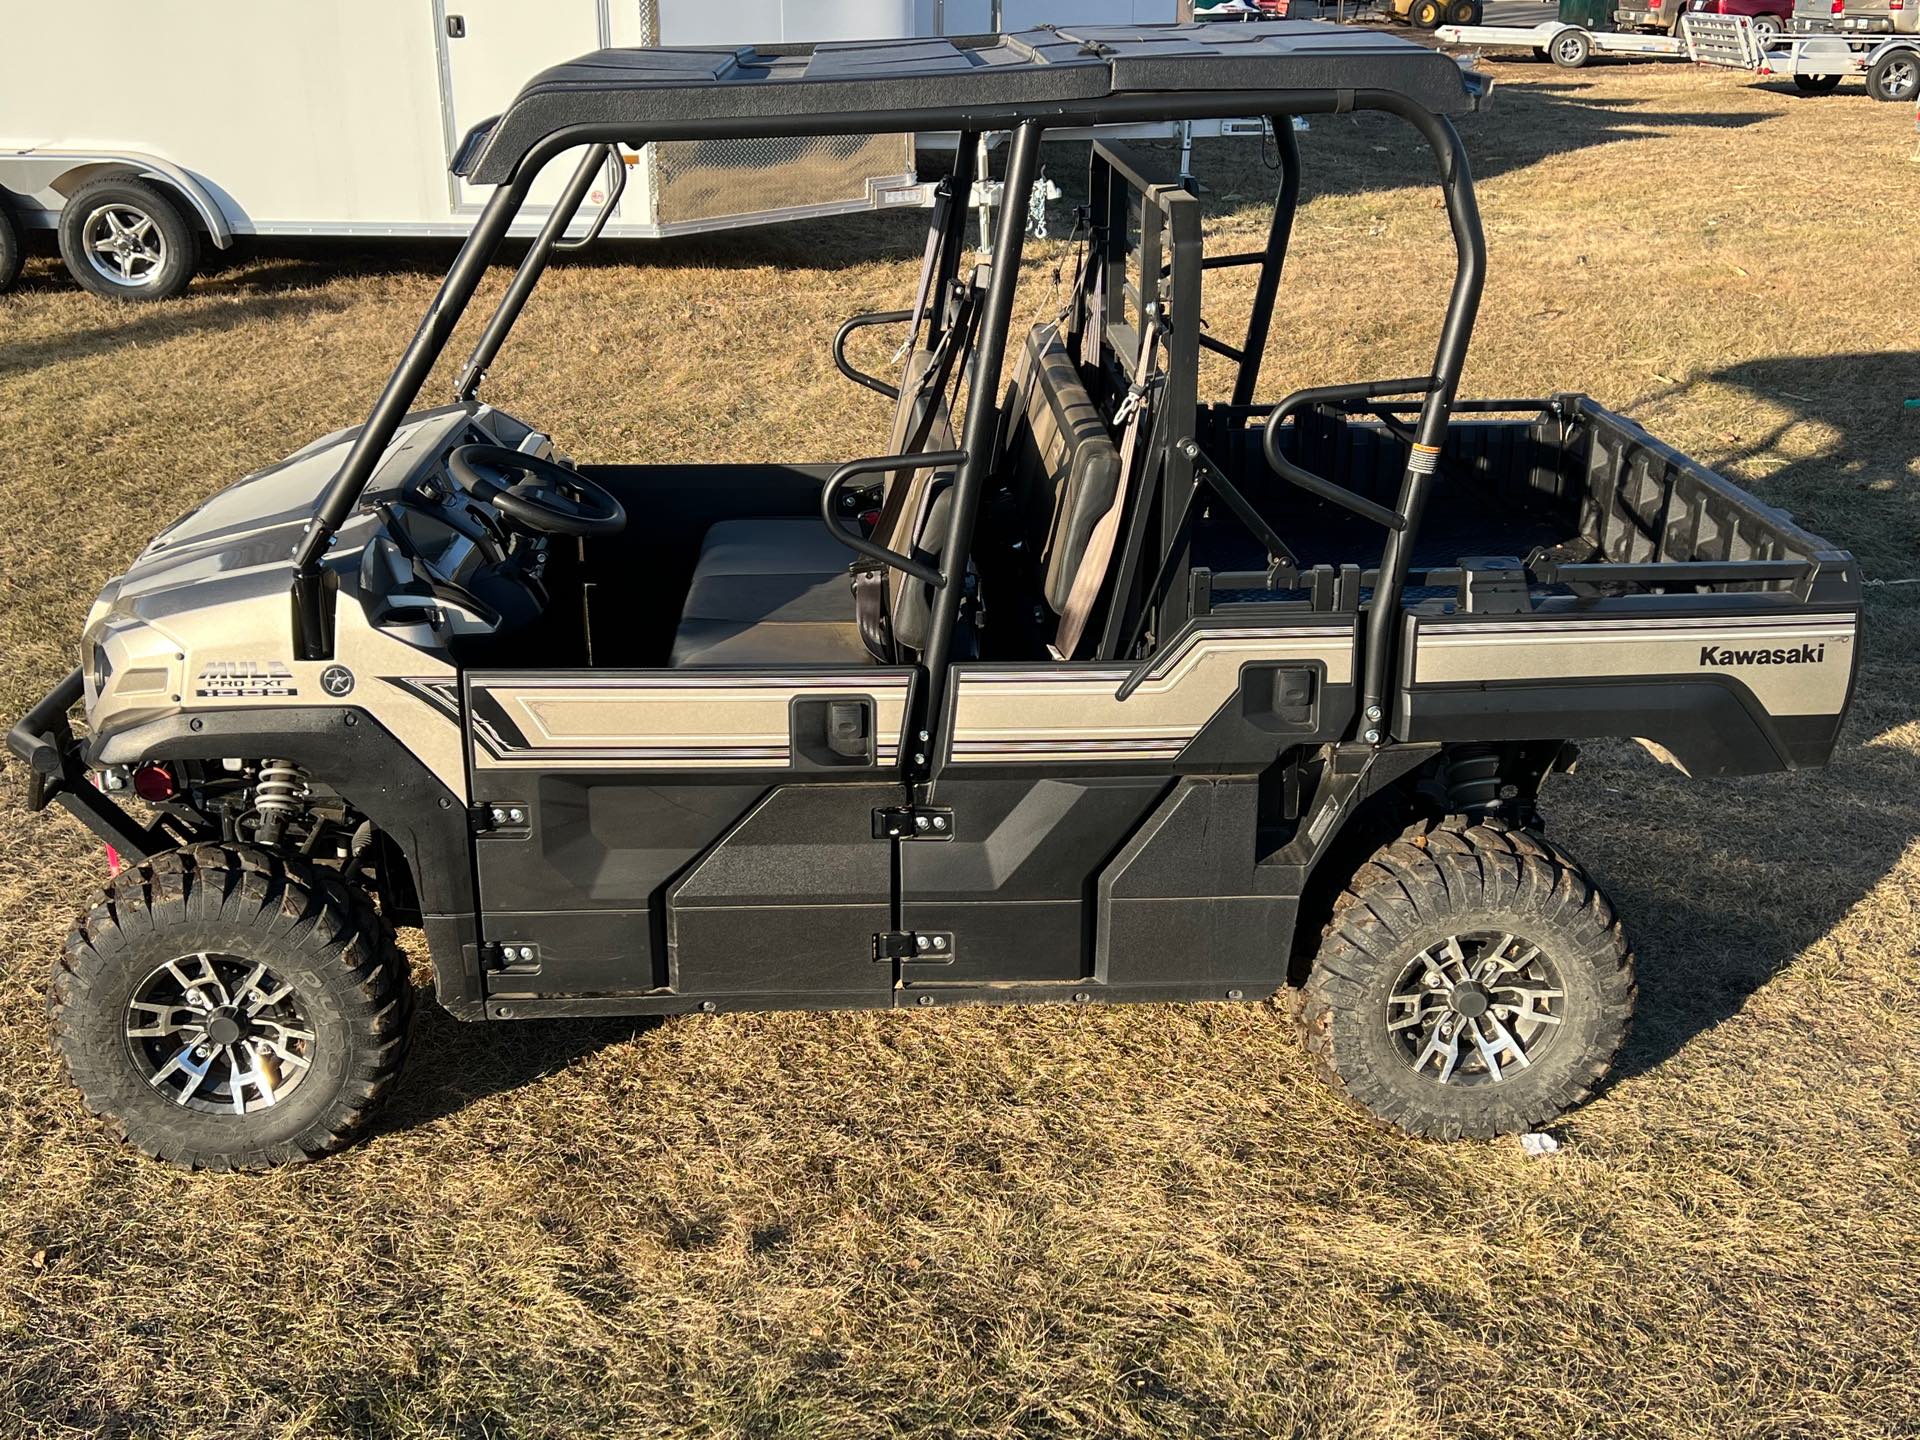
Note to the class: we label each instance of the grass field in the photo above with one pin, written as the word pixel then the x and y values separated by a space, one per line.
pixel 1126 1222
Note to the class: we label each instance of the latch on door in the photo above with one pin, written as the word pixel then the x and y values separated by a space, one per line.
pixel 456 27
pixel 829 731
pixel 913 822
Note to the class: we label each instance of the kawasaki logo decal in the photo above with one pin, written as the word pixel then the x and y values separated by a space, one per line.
pixel 1720 655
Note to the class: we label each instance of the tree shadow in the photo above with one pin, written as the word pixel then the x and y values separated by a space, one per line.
pixel 1724 884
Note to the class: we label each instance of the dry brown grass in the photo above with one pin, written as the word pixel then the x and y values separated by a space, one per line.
pixel 1123 1222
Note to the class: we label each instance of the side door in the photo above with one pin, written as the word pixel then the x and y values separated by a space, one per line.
pixel 706 834
pixel 488 49
pixel 1107 822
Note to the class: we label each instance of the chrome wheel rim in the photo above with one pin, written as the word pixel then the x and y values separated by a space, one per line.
pixel 124 245
pixel 1570 49
pixel 1476 1009
pixel 1898 80
pixel 218 1033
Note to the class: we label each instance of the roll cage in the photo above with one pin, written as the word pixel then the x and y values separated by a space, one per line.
pixel 1025 84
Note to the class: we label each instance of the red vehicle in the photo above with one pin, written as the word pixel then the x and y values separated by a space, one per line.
pixel 1769 16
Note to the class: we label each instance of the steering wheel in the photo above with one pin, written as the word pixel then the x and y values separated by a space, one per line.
pixel 541 495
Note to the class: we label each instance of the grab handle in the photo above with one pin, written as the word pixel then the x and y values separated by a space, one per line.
pixel 1319 485
pixel 878 465
pixel 861 322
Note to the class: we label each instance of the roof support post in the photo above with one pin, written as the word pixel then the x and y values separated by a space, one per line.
pixel 983 418
pixel 312 620
pixel 1279 234
pixel 487 348
pixel 1430 432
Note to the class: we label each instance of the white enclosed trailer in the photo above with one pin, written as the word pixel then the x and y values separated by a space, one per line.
pixel 203 120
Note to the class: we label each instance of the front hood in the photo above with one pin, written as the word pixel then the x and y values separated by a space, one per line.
pixel 257 520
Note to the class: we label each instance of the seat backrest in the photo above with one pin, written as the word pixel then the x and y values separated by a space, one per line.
pixel 920 517
pixel 1065 463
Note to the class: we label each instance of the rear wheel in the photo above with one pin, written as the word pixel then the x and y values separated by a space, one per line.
pixel 1816 84
pixel 1767 29
pixel 1464 12
pixel 224 1009
pixel 1472 981
pixel 1426 14
pixel 1895 76
pixel 1570 49
pixel 126 239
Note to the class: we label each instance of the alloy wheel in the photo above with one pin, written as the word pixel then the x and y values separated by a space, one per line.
pixel 218 1033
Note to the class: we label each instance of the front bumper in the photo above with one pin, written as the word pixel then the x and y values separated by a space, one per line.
pixel 56 771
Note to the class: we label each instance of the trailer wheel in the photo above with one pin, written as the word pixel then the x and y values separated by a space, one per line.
pixel 1571 49
pixel 1472 981
pixel 11 253
pixel 1895 76
pixel 127 239
pixel 224 1009
pixel 1816 84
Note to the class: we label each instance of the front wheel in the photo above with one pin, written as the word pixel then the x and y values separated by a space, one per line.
pixel 1472 982
pixel 223 1009
pixel 1426 14
pixel 1895 76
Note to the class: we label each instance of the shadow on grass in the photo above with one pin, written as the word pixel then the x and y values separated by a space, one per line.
pixel 455 1064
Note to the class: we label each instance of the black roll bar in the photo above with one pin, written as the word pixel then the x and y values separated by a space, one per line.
pixel 983 410
pixel 1279 235
pixel 1402 520
pixel 880 465
pixel 534 263
pixel 313 621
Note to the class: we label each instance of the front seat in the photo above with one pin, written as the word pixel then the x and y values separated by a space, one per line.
pixel 775 590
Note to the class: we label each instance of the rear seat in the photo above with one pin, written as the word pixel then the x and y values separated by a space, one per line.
pixel 773 591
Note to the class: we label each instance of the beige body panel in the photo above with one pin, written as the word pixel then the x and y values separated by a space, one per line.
pixel 239 656
pixel 670 719
pixel 1061 713
pixel 1808 669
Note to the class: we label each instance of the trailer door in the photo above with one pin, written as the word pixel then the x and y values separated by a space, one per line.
pixel 489 49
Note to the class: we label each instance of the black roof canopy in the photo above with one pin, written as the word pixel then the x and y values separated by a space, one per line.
pixel 1090 74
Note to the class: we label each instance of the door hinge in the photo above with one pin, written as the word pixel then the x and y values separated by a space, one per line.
pixel 500 817
pixel 913 822
pixel 924 947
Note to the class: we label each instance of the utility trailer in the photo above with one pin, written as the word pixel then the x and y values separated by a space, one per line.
pixel 339 118
pixel 1818 63
pixel 1702 39
pixel 1118 689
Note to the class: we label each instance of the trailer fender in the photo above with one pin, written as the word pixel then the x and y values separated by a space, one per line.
pixel 47 177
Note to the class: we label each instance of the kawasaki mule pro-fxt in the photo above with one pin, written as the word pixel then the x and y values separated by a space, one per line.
pixel 1118 693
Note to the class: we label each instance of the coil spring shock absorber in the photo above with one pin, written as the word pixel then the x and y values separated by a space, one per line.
pixel 277 797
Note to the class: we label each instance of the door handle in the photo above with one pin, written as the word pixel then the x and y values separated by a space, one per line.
pixel 456 27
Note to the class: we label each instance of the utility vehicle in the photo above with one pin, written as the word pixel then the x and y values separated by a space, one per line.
pixel 1109 691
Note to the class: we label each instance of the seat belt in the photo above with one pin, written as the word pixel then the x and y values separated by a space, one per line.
pixel 869 578
pixel 929 262
pixel 1092 573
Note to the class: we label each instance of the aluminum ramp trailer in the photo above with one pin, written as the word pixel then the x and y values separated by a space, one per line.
pixel 1704 39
